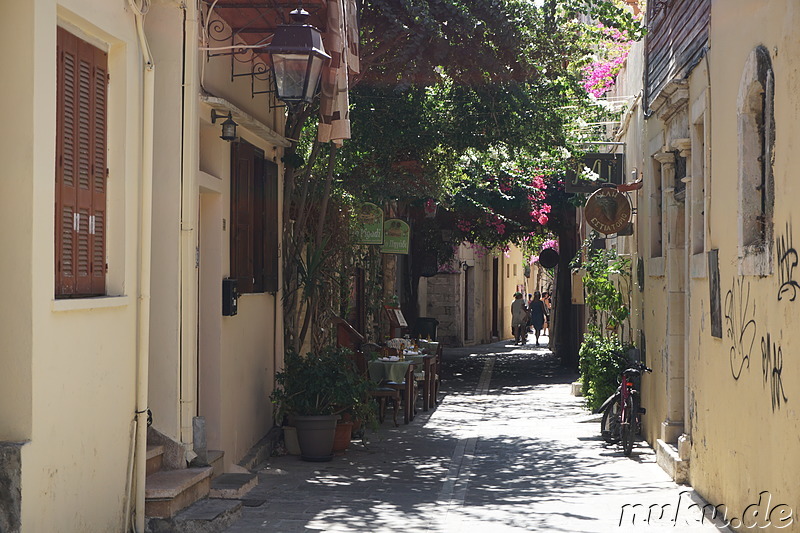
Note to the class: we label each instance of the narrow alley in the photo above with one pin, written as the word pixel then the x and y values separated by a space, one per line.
pixel 508 449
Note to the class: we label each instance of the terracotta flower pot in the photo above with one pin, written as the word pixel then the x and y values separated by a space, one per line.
pixel 341 440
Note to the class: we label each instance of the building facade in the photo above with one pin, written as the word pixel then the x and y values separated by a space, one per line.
pixel 711 136
pixel 472 300
pixel 124 212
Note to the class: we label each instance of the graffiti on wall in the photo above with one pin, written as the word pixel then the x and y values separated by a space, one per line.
pixel 741 330
pixel 740 324
pixel 772 370
pixel 787 262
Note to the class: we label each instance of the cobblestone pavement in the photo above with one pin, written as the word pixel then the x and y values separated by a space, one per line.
pixel 507 450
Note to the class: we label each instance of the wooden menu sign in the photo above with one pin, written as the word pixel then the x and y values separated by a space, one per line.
pixel 608 210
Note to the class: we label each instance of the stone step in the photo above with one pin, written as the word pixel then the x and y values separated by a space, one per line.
pixel 169 491
pixel 204 516
pixel 155 458
pixel 668 459
pixel 233 486
pixel 215 460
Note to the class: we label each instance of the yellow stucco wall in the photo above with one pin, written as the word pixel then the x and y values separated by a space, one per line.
pixel 202 363
pixel 69 381
pixel 740 389
pixel 744 416
pixel 68 384
pixel 18 149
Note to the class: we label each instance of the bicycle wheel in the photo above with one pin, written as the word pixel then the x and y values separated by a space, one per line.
pixel 637 416
pixel 628 429
pixel 609 424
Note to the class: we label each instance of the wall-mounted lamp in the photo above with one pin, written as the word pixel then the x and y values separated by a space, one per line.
pixel 297 58
pixel 228 127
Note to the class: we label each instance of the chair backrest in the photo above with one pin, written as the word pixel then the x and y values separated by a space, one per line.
pixel 370 348
pixel 360 359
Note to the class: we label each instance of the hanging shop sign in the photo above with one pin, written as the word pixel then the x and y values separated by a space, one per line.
pixel 608 210
pixel 595 169
pixel 396 237
pixel 370 224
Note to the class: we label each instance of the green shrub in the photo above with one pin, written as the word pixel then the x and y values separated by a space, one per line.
pixel 322 383
pixel 601 361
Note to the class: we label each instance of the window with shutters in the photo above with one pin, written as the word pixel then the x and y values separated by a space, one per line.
pixel 254 219
pixel 756 129
pixel 80 181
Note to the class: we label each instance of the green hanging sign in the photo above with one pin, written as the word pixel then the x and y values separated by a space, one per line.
pixel 370 224
pixel 396 237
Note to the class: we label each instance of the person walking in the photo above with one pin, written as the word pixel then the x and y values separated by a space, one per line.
pixel 528 303
pixel 519 319
pixel 538 312
pixel 548 306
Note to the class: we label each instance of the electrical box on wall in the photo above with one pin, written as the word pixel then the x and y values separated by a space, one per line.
pixel 230 297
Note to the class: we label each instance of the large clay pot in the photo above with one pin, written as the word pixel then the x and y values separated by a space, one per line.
pixel 315 435
pixel 290 440
pixel 341 440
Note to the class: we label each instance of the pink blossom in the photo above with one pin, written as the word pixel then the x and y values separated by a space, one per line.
pixel 543 219
pixel 551 243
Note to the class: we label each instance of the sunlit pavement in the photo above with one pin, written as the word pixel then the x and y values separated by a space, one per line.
pixel 508 449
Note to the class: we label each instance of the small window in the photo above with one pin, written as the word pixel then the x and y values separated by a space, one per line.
pixel 756 147
pixel 254 219
pixel 80 182
pixel 698 215
pixel 656 215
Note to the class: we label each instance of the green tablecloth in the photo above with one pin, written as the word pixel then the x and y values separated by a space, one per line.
pixel 388 370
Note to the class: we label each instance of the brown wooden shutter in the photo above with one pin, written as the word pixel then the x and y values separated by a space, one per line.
pixel 271 227
pixel 259 222
pixel 80 167
pixel 242 156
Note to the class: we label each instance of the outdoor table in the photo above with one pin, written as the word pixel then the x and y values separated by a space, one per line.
pixel 427 362
pixel 396 372
pixel 383 370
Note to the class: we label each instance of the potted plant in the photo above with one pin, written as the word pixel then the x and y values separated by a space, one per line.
pixel 313 390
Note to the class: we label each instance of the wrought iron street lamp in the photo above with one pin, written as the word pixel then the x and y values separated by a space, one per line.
pixel 297 58
pixel 228 127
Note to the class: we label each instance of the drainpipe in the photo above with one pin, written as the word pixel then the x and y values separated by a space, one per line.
pixel 189 197
pixel 140 8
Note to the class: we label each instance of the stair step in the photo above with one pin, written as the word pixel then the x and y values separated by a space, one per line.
pixel 233 486
pixel 155 458
pixel 215 460
pixel 169 491
pixel 206 516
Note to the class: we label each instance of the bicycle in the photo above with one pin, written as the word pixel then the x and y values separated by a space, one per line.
pixel 622 411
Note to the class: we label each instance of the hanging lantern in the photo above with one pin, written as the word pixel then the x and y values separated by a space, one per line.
pixel 297 59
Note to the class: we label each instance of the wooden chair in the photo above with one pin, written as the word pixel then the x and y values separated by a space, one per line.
pixel 380 393
pixel 427 381
pixel 407 389
pixel 437 376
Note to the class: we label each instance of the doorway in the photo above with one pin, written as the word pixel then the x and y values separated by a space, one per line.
pixel 209 334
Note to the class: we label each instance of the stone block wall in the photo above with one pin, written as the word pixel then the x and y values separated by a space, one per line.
pixel 10 486
pixel 444 304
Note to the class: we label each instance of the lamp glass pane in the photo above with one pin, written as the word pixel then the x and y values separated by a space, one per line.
pixel 290 75
pixel 228 130
pixel 314 73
